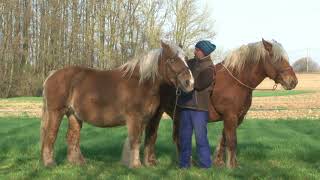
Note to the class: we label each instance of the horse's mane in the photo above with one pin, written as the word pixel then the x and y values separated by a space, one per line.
pixel 147 64
pixel 253 53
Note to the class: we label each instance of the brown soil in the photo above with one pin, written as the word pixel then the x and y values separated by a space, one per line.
pixel 294 106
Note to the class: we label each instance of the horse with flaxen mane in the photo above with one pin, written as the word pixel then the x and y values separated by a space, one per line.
pixel 236 77
pixel 129 95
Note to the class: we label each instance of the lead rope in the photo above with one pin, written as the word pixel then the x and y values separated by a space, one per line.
pixel 273 88
pixel 178 93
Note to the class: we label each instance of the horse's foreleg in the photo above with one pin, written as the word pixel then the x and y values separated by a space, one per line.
pixel 73 140
pixel 135 129
pixel 175 134
pixel 230 127
pixel 150 139
pixel 220 151
pixel 49 128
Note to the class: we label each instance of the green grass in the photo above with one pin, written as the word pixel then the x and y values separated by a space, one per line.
pixel 286 149
pixel 256 93
pixel 259 93
pixel 24 99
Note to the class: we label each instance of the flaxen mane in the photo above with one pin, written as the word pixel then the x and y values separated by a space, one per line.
pixel 148 64
pixel 251 53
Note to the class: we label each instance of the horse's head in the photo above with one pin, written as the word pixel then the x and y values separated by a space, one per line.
pixel 175 69
pixel 277 65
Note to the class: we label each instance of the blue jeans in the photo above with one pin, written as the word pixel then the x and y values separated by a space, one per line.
pixel 197 120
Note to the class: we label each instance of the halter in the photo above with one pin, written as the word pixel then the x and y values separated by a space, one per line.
pixel 283 70
pixel 168 64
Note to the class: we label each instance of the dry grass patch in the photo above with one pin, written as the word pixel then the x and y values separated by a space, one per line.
pixel 18 107
pixel 305 105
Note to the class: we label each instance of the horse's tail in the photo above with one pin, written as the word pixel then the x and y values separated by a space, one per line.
pixel 44 119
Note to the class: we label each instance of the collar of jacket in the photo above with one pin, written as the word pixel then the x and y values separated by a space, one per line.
pixel 206 58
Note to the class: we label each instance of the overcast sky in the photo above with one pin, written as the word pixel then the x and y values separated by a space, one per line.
pixel 293 23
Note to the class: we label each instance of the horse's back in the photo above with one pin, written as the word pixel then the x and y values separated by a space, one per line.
pixel 57 87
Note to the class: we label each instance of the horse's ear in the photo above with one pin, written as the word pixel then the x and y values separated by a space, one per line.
pixel 180 45
pixel 267 45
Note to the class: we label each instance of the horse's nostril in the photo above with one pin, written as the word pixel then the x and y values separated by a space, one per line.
pixel 187 82
pixel 293 83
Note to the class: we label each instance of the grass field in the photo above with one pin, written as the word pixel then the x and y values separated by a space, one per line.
pixel 255 94
pixel 258 93
pixel 286 149
pixel 23 99
pixel 31 106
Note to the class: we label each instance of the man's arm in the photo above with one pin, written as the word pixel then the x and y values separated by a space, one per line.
pixel 204 79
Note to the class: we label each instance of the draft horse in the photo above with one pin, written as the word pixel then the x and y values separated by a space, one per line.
pixel 128 95
pixel 236 78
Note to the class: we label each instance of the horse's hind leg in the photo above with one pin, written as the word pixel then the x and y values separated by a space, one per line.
pixel 49 130
pixel 220 151
pixel 150 140
pixel 73 140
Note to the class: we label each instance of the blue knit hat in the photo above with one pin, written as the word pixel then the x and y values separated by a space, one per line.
pixel 206 46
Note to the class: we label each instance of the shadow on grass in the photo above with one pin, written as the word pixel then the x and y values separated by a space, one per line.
pixel 311 156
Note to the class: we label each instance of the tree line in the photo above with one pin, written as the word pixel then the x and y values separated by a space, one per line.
pixel 37 36
pixel 306 65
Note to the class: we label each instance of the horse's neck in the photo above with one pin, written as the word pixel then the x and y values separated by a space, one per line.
pixel 253 75
pixel 153 85
pixel 162 69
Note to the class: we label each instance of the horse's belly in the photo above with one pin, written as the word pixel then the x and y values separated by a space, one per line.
pixel 106 120
pixel 213 114
pixel 101 116
pixel 110 113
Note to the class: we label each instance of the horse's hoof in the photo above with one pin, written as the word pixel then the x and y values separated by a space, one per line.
pixel 49 164
pixel 149 163
pixel 232 165
pixel 77 159
pixel 218 163
pixel 135 165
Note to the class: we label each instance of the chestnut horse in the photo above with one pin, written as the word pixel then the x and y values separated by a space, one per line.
pixel 129 95
pixel 236 77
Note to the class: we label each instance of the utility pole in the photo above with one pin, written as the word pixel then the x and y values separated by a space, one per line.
pixel 307 60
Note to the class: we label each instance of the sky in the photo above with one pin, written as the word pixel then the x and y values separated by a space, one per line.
pixel 293 23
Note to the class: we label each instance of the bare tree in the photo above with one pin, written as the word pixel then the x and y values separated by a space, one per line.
pixel 37 36
pixel 189 22
pixel 305 64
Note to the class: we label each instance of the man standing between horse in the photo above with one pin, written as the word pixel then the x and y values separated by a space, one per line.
pixel 194 107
